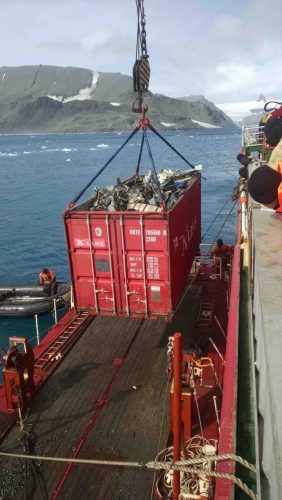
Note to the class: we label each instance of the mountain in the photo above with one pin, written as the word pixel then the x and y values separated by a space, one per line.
pixel 65 99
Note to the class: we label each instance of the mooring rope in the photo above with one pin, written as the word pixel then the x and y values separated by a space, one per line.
pixel 182 466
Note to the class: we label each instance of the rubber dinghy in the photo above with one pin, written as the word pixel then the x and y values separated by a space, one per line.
pixel 31 299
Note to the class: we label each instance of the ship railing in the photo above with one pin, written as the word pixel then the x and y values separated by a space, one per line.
pixel 252 136
pixel 206 261
pixel 219 268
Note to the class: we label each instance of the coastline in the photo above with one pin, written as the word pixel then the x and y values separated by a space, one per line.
pixel 201 130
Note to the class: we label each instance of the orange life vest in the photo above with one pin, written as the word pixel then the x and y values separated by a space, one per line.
pixel 45 278
pixel 222 251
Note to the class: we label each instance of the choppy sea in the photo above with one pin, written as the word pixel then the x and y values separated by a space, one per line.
pixel 40 174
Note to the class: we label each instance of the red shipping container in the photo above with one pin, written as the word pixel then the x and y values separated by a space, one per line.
pixel 133 263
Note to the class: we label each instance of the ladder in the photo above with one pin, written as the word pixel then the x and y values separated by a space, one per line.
pixel 55 352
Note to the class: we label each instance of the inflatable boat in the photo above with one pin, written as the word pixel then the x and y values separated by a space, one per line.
pixel 32 299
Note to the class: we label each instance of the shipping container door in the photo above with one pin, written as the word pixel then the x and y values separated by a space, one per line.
pixel 92 266
pixel 185 238
pixel 143 265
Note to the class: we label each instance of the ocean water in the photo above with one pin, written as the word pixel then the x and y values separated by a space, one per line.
pixel 40 174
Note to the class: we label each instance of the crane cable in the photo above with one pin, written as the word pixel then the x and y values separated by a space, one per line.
pixel 141 41
pixel 141 68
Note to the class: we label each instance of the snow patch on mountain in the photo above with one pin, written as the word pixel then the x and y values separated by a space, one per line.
pixel 167 124
pixel 83 95
pixel 205 125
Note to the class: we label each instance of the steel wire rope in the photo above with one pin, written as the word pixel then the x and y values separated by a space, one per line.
pixel 215 218
pixel 170 146
pixel 105 166
pixel 160 193
pixel 205 203
pixel 141 41
pixel 140 153
pixel 152 465
pixel 226 218
pixel 167 466
pixel 137 55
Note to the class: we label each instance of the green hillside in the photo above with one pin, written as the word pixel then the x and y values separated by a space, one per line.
pixel 38 81
pixel 55 99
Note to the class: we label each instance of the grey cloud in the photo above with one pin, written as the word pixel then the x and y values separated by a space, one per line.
pixel 222 50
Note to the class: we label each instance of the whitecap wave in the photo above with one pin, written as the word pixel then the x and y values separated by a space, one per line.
pixel 103 145
pixel 50 150
pixel 68 159
pixel 8 154
pixel 92 149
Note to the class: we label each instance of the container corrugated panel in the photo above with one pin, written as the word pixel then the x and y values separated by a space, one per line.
pixel 133 263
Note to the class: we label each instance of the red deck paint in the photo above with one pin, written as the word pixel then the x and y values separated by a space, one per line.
pixel 131 263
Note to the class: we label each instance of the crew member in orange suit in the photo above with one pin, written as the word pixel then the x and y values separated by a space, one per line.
pixel 48 278
pixel 222 254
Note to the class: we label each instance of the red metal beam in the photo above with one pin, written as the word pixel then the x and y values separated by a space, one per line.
pixel 227 441
pixel 176 414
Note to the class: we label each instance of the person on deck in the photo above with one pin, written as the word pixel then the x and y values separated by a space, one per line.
pixel 47 278
pixel 221 254
pixel 220 249
pixel 264 182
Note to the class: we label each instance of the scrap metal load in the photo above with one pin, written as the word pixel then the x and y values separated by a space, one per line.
pixel 131 247
pixel 144 193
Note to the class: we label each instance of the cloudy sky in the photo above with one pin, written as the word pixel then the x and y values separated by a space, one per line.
pixel 226 50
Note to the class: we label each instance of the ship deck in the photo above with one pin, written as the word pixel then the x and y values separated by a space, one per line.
pixel 107 399
pixel 267 304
